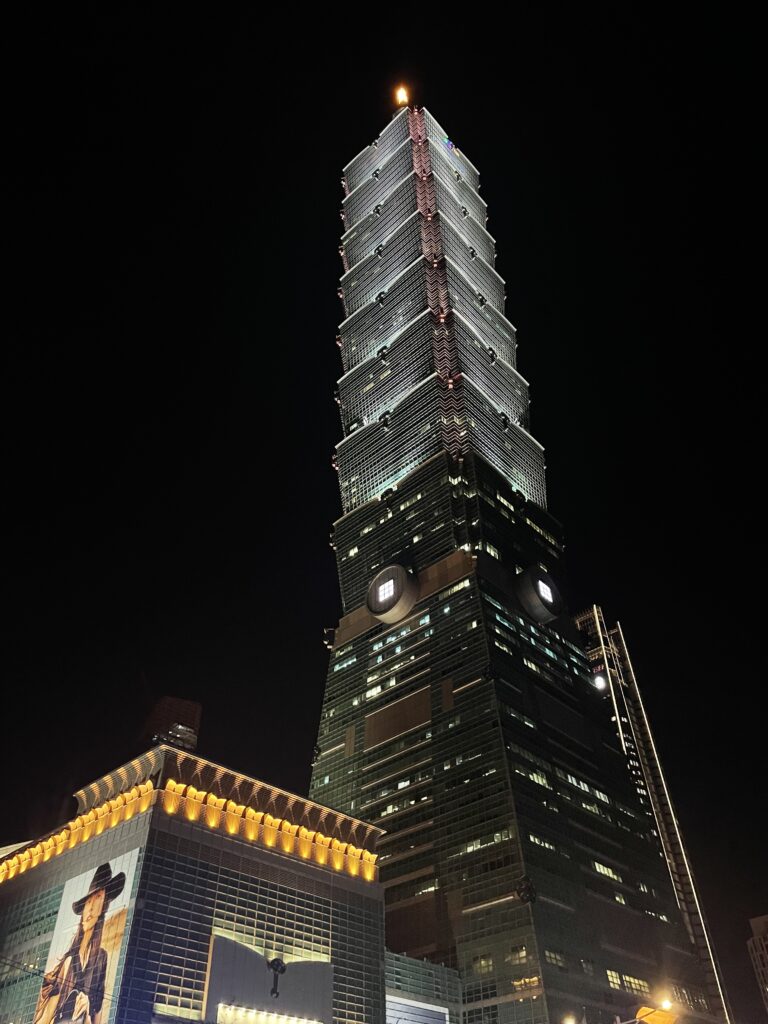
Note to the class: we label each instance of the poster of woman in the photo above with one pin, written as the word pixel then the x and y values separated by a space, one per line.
pixel 82 962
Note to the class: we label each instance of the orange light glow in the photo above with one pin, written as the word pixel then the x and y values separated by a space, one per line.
pixel 199 806
pixel 656 1015
pixel 401 96
pixel 80 830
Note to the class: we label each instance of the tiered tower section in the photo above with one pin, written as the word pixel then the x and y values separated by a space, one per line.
pixel 429 357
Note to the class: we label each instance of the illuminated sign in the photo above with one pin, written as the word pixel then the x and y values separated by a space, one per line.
pixel 236 1014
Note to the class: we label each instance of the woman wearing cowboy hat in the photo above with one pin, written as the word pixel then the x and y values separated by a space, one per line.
pixel 74 989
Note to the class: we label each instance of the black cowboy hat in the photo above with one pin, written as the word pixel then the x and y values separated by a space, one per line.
pixel 103 879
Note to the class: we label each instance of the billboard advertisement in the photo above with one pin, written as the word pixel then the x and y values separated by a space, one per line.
pixel 79 982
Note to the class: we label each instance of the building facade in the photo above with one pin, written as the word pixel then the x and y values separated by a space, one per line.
pixel 609 657
pixel 758 954
pixel 461 713
pixel 420 992
pixel 184 891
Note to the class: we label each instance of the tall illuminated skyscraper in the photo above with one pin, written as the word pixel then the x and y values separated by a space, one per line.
pixel 461 713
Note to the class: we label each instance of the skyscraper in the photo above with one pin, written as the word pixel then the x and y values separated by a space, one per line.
pixel 461 713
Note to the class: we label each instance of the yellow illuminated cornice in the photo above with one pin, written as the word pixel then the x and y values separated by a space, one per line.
pixel 164 762
pixel 205 808
pixel 275 833
pixel 80 830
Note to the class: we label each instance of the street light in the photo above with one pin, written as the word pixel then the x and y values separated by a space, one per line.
pixel 645 1014
pixel 650 1015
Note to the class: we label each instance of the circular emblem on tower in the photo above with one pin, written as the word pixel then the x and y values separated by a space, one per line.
pixel 392 593
pixel 538 593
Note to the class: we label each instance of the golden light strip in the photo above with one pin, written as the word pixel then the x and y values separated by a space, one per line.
pixel 198 806
pixel 276 833
pixel 82 828
pixel 231 1014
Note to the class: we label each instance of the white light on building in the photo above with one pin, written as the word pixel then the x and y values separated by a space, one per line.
pixel 546 592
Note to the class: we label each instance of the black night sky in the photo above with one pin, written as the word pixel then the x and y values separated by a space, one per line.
pixel 171 228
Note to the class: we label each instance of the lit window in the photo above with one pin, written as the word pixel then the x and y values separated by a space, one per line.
pixel 541 842
pixel 545 591
pixel 386 590
pixel 519 984
pixel 539 777
pixel 482 964
pixel 345 664
pixel 692 998
pixel 636 985
pixel 553 957
pixel 613 979
pixel 603 869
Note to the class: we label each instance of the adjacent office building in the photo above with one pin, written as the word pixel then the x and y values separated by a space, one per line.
pixel 758 953
pixel 174 721
pixel 461 713
pixel 609 657
pixel 185 891
pixel 420 992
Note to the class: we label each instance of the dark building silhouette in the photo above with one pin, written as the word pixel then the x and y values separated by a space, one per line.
pixel 174 721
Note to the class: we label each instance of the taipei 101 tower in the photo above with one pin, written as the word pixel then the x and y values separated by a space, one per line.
pixel 461 713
